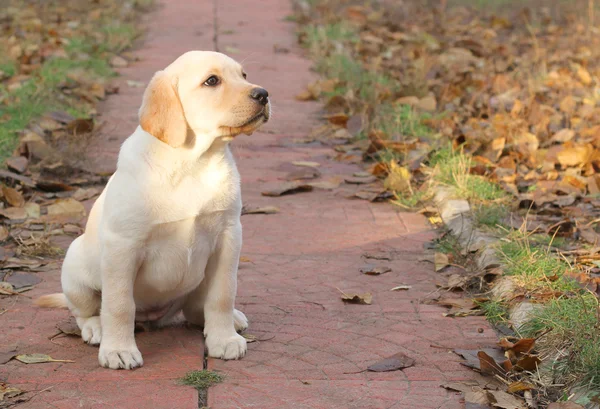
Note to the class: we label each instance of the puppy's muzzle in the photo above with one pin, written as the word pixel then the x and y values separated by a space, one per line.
pixel 260 95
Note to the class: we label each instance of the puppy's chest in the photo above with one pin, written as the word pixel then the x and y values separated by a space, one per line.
pixel 176 256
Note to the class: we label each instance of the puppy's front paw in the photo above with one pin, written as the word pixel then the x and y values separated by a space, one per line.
pixel 120 358
pixel 240 322
pixel 226 347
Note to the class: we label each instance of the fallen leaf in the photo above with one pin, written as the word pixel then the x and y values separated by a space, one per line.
pixel 7 391
pixel 523 346
pixel 69 327
pixel 14 213
pixel 39 359
pixel 501 399
pixel 80 126
pixel 20 280
pixel 245 259
pixel 3 233
pixel 303 173
pixel 360 180
pixel 519 387
pixel 306 163
pixel 393 363
pixel 354 298
pixel 250 338
pixel 66 207
pixel 329 184
pixel 17 164
pixel 118 62
pixel 472 359
pixel 135 84
pixel 488 365
pixel 440 261
pixel 13 197
pixel 401 288
pixel 528 363
pixel 260 210
pixel 457 282
pixel 289 188
pixel 372 269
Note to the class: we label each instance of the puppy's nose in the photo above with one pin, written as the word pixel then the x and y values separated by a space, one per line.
pixel 260 94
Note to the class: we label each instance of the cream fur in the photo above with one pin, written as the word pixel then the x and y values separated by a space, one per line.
pixel 165 234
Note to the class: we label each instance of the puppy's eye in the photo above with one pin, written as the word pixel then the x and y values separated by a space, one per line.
pixel 244 75
pixel 212 81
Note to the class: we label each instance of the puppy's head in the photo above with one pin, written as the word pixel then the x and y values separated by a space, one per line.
pixel 206 92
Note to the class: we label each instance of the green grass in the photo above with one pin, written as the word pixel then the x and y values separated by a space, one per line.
pixel 495 311
pixel 534 266
pixel 574 325
pixel 491 215
pixel 451 168
pixel 202 379
pixel 400 121
pixel 38 95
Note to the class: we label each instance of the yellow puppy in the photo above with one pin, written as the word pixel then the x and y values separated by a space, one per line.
pixel 165 234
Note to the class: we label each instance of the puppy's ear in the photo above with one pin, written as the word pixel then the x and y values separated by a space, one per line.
pixel 161 114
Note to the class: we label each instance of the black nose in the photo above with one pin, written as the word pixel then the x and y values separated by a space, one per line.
pixel 260 94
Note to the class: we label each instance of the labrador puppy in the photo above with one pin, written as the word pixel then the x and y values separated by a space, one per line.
pixel 165 234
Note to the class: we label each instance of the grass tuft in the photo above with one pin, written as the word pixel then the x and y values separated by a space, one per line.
pixel 202 379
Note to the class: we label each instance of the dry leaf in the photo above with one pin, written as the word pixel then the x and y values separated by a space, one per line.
pixel 306 163
pixel 354 298
pixel 66 207
pixel 372 269
pixel 260 210
pixel 488 365
pixel 440 261
pixel 289 188
pixel 3 233
pixel 393 363
pixel 13 197
pixel 14 213
pixel 401 288
pixel 39 359
pixel 503 400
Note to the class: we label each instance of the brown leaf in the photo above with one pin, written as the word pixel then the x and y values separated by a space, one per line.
pixel 13 197
pixel 519 387
pixel 472 358
pixel 393 363
pixel 488 365
pixel 288 188
pixel 338 119
pixel 528 363
pixel 523 346
pixel 3 233
pixel 80 126
pixel 562 136
pixel 260 210
pixel 354 298
pixel 14 213
pixel 464 303
pixel 575 155
pixel 401 288
pixel 70 207
pixel 501 399
pixel 372 269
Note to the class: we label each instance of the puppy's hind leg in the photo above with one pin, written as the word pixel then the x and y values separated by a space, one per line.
pixel 83 300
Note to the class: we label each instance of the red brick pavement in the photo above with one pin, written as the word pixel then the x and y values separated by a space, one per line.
pixel 313 346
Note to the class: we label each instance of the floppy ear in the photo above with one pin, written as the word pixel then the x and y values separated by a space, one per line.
pixel 161 114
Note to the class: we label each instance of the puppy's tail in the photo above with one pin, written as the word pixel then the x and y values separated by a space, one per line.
pixel 57 300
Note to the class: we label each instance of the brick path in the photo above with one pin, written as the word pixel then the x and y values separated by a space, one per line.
pixel 312 342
